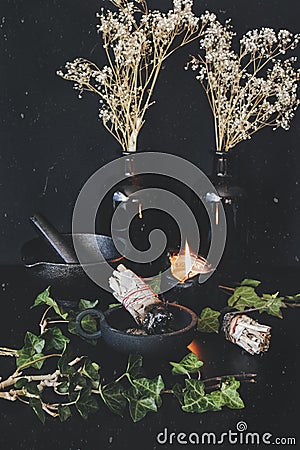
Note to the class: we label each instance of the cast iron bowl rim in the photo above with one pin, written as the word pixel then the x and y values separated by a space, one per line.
pixel 154 336
pixel 73 265
pixel 61 264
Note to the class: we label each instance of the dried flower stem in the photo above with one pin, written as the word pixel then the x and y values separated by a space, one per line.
pixel 248 90
pixel 137 41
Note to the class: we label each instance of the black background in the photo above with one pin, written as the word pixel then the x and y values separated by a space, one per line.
pixel 51 142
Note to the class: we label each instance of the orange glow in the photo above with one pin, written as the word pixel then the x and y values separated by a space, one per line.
pixel 217 213
pixel 194 347
pixel 116 259
pixel 140 211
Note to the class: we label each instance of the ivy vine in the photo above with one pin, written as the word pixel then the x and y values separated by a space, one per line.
pixel 76 383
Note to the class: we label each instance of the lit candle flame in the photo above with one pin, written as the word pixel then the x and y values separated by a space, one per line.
pixel 187 259
pixel 140 211
pixel 186 265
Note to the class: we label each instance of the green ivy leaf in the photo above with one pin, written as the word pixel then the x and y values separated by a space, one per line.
pixel 208 321
pixel 64 412
pixel 113 397
pixel 20 383
pixel 89 324
pixel 189 364
pixel 154 283
pixel 29 386
pixel 193 399
pixel 178 392
pixel 134 365
pixel 55 339
pixel 63 387
pixel 218 399
pixel 139 406
pixel 63 362
pixel 30 360
pixel 231 397
pixel 245 297
pixel 36 405
pixel 86 403
pixel 91 370
pixel 202 405
pixel 36 343
pixel 44 298
pixel 77 380
pixel 150 388
pixel 274 303
pixel 31 352
pixel 294 298
pixel 250 282
pixel 196 400
pixel 87 304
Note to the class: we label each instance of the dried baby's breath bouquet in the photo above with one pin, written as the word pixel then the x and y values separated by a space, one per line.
pixel 250 88
pixel 136 41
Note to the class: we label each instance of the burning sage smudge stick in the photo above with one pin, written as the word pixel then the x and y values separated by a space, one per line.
pixel 249 89
pixel 149 312
pixel 136 41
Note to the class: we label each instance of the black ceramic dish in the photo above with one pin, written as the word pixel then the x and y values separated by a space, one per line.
pixel 113 323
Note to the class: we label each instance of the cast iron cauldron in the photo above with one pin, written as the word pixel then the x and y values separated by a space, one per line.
pixel 114 322
pixel 68 281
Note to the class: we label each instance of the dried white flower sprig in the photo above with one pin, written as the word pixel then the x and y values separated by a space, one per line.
pixel 250 89
pixel 136 41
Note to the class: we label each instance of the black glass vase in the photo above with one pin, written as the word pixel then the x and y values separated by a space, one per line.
pixel 233 196
pixel 125 198
pixel 134 223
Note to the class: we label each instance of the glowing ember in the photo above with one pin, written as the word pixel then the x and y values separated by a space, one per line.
pixel 140 211
pixel 194 347
pixel 186 265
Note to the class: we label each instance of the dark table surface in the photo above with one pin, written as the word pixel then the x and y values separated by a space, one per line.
pixel 270 404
